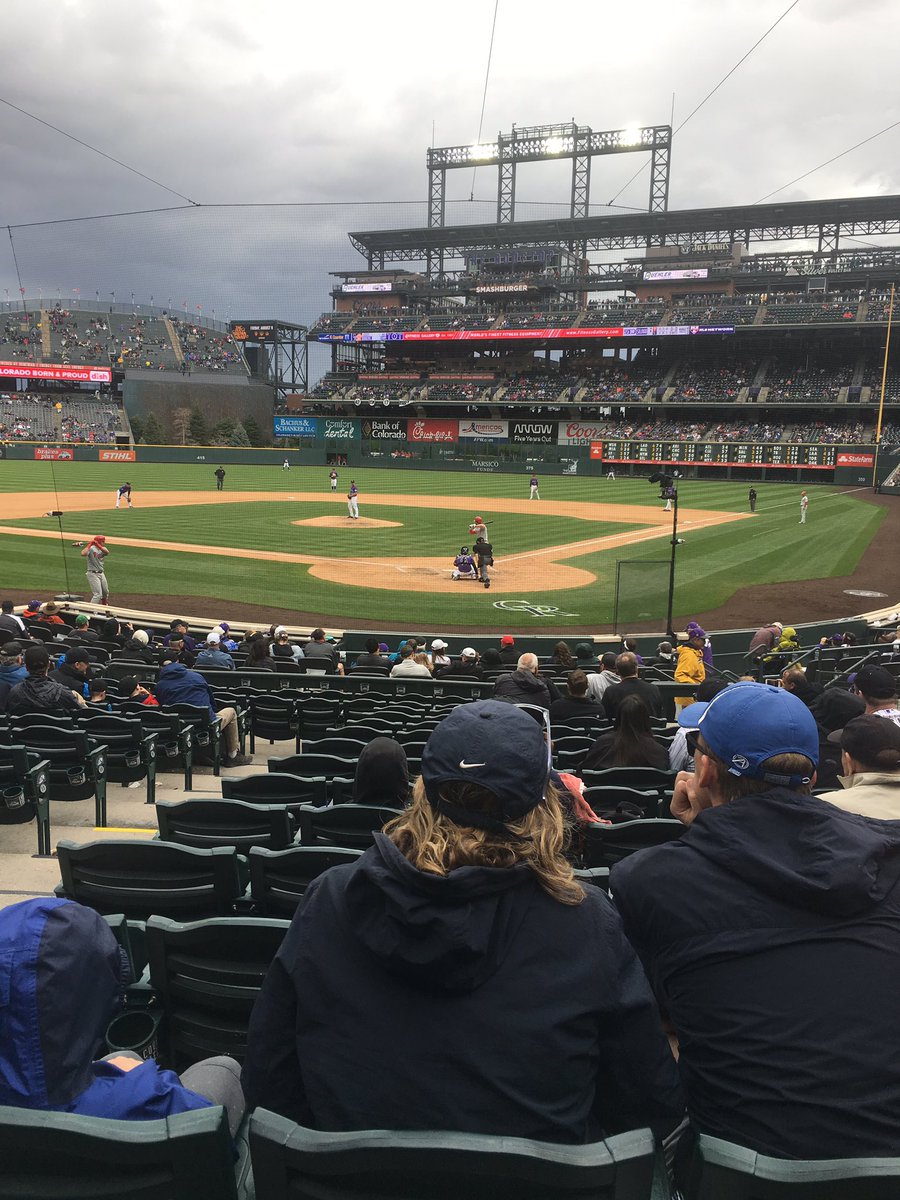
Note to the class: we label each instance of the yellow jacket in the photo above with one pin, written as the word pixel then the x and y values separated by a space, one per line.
pixel 690 669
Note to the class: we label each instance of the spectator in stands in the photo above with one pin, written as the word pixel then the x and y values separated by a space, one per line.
pixel 630 644
pixel 599 681
pixel 398 987
pixel 12 670
pixel 584 655
pixel 212 654
pixel 97 689
pixel 372 657
pixel 696 632
pixel 878 687
pixel 65 977
pixel 525 685
pixel 281 647
pixel 576 702
pixel 258 657
pixel 630 685
pixel 228 642
pixel 508 652
pixel 562 656
pixel 132 689
pixel 178 685
pixel 766 637
pixel 491 659
pixel 177 626
pixel 73 671
pixel 439 656
pixel 768 885
pixel 8 618
pixel 690 667
pixel 630 743
pixel 783 652
pixel 139 647
pixel 320 649
pixel 177 649
pixel 38 693
pixel 466 666
pixel 382 774
pixel 117 631
pixel 870 758
pixel 49 614
pixel 83 630
pixel 409 666
pixel 665 657
pixel 793 679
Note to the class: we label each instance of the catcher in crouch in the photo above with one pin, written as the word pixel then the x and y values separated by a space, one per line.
pixel 464 565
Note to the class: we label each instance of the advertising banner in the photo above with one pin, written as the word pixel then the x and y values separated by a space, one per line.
pixel 533 431
pixel 483 431
pixel 433 430
pixel 339 427
pixel 52 454
pixel 296 426
pixel 393 430
pixel 24 370
pixel 580 433
pixel 596 449
pixel 366 287
pixel 855 460
pixel 117 456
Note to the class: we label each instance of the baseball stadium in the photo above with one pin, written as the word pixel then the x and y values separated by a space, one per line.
pixel 449 729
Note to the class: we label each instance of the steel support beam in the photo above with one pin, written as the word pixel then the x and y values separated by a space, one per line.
pixel 506 190
pixel 581 175
pixel 437 180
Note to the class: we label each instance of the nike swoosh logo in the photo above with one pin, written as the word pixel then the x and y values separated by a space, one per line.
pixel 467 766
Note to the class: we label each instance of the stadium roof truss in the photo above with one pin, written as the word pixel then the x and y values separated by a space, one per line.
pixel 824 222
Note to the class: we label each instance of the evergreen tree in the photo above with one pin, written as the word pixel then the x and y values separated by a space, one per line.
pixel 137 428
pixel 239 436
pixel 254 433
pixel 153 431
pixel 223 432
pixel 198 429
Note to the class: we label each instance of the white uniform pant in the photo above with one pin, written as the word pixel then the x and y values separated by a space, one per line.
pixel 535 494
pixel 802 516
pixel 352 506
pixel 99 587
pixel 120 498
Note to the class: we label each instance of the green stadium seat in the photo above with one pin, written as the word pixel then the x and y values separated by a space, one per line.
pixel 348 825
pixel 207 823
pixel 51 1156
pixel 278 878
pixel 305 1164
pixel 605 845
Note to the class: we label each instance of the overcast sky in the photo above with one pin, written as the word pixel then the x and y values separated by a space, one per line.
pixel 283 101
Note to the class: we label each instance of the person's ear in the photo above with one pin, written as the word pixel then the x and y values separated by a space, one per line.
pixel 705 771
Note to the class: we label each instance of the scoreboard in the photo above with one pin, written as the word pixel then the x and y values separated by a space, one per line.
pixel 722 454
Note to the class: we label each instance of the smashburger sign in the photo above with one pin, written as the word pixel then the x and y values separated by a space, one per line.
pixel 580 433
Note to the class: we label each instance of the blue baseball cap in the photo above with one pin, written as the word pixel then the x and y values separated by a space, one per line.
pixel 496 745
pixel 748 723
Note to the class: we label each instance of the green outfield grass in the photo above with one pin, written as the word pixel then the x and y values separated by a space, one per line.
pixel 712 564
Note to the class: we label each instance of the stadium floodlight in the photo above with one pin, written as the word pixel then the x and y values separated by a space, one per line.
pixel 631 136
pixel 485 152
pixel 553 146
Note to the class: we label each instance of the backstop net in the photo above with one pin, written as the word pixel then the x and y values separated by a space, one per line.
pixel 642 591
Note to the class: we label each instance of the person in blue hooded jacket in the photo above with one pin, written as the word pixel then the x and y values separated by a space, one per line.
pixel 457 976
pixel 770 931
pixel 62 980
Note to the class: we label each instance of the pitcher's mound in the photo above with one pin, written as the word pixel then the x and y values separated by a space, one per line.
pixel 348 522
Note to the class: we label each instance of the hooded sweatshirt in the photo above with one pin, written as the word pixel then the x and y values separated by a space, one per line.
pixel 61 981
pixel 382 774
pixel 523 687
pixel 770 932
pixel 473 1001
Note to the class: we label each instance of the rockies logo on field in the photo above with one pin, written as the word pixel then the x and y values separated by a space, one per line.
pixel 536 610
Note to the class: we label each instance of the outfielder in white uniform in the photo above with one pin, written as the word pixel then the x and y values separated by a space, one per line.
pixel 804 505
pixel 286 466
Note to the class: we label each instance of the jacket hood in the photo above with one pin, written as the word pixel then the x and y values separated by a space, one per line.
pixel 62 976
pixel 802 850
pixel 528 682
pixel 441 933
pixel 382 774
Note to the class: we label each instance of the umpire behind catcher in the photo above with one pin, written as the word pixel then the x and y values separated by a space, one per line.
pixel 484 553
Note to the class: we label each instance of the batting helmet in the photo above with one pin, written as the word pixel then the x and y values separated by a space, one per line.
pixel 476 521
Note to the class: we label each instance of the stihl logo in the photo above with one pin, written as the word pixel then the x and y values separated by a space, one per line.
pixel 117 456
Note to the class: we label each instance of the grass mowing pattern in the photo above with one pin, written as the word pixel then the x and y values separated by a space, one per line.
pixel 712 564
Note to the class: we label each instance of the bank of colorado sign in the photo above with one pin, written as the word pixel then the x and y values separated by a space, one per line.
pixel 580 433
pixel 533 431
pixel 393 431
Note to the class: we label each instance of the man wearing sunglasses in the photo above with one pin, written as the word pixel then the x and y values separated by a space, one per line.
pixel 770 932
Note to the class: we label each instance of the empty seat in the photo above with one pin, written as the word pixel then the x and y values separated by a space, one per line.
pixel 352 825
pixel 143 878
pixel 278 878
pixel 305 1164
pixel 277 787
pixel 48 1154
pixel 605 845
pixel 236 823
pixel 207 975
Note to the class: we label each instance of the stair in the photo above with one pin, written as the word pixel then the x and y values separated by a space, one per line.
pixel 45 336
pixel 761 313
pixel 174 339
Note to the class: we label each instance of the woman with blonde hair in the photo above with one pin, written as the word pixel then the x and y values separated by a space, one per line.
pixel 457 976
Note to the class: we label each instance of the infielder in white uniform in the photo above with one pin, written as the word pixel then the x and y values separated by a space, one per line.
pixel 534 494
pixel 286 466
pixel 124 493
pixel 333 477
